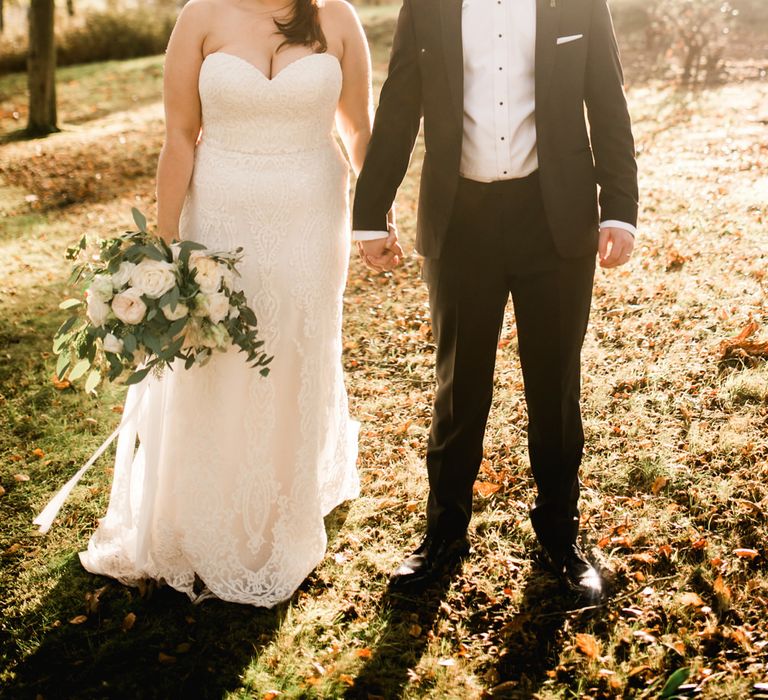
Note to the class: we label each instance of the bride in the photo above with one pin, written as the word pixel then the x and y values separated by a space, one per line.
pixel 234 472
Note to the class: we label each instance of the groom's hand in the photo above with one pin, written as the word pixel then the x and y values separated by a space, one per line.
pixel 615 246
pixel 382 254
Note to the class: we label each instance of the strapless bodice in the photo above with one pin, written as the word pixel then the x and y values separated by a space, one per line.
pixel 243 110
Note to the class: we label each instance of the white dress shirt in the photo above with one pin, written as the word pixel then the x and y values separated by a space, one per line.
pixel 499 139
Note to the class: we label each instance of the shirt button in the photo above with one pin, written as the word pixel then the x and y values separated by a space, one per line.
pixel 505 172
pixel 502 138
pixel 499 36
pixel 501 104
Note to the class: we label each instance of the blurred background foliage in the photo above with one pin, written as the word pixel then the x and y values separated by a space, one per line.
pixel 684 40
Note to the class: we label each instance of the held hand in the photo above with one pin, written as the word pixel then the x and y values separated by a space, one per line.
pixel 382 254
pixel 615 247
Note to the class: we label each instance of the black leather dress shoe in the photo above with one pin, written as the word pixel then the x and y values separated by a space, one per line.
pixel 575 572
pixel 433 558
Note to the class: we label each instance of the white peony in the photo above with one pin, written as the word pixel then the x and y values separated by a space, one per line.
pixel 129 307
pixel 112 343
pixel 153 278
pixel 214 306
pixel 101 286
pixel 207 272
pixel 96 310
pixel 123 275
pixel 180 311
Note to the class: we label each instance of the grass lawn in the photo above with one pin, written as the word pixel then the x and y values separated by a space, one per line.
pixel 675 474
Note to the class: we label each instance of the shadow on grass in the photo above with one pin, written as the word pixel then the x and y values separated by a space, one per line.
pixel 386 672
pixel 172 649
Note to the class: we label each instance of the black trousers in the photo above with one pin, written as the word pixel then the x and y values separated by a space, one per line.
pixel 499 243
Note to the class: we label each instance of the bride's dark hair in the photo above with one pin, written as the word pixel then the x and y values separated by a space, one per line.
pixel 303 27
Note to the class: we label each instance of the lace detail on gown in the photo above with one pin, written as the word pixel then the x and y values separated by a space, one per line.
pixel 234 472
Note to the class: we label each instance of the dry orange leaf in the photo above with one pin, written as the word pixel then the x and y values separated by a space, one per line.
pixel 692 599
pixel 665 550
pixel 659 484
pixel 746 553
pixel 485 488
pixel 587 645
pixel 700 543
pixel 644 558
pixel 166 658
pixel 21 477
pixel 271 695
pixel 129 621
pixel 38 452
pixel 13 549
pixel 415 630
pixel 364 653
pixel 2 491
pixel 346 678
pixel 60 384
pixel 78 620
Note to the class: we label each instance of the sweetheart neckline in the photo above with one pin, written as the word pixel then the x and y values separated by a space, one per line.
pixel 280 72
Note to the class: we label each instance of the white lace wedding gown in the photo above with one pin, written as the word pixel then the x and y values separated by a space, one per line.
pixel 234 472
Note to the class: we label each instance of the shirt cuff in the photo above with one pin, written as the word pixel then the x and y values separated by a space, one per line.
pixel 612 223
pixel 369 235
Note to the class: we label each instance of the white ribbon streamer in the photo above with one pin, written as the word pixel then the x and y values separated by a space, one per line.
pixel 48 514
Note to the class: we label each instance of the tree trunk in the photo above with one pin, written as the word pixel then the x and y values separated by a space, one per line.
pixel 41 69
pixel 2 16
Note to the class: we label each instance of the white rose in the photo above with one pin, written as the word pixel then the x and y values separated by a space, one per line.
pixel 129 306
pixel 207 272
pixel 175 250
pixel 97 310
pixel 112 343
pixel 154 277
pixel 123 275
pixel 101 286
pixel 180 311
pixel 214 306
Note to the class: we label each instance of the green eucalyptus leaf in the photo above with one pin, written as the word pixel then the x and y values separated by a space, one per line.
pixel 139 218
pixel 80 368
pixel 93 380
pixel 674 682
pixel 70 303
pixel 136 377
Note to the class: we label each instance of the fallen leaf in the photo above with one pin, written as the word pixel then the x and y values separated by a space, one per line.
pixel 700 543
pixel 364 653
pixel 78 620
pixel 691 599
pixel 13 549
pixel 345 678
pixel 723 593
pixel 746 553
pixel 659 484
pixel 2 491
pixel 587 645
pixel 16 458
pixel 166 658
pixel 129 621
pixel 60 384
pixel 643 558
pixel 271 695
pixel 637 670
pixel 485 488
pixel 415 630
pixel 446 662
pixel 183 648
pixel 644 636
pixel 38 452
pixel 21 477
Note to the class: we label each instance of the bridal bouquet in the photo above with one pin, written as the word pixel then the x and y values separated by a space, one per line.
pixel 147 303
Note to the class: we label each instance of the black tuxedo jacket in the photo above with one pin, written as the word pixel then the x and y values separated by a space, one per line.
pixel 426 79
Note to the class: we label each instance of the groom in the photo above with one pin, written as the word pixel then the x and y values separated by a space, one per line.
pixel 508 205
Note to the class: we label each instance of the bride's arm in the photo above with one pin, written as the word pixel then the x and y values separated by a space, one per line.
pixel 355 111
pixel 182 115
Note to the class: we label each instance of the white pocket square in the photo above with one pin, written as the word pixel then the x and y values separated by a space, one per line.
pixel 568 39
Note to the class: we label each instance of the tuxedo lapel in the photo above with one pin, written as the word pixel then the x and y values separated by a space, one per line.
pixel 450 20
pixel 547 22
